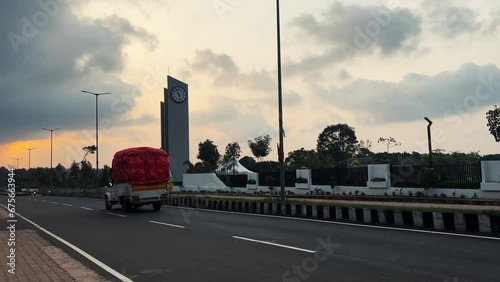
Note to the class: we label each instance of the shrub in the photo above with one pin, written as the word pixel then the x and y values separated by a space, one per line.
pixel 252 181
pixel 363 194
pixel 410 193
pixel 301 180
pixel 377 179
pixel 443 195
pixel 356 192
pixel 270 182
pixel 419 194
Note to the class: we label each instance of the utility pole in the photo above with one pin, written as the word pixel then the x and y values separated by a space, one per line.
pixel 51 131
pixel 97 131
pixel 29 156
pixel 280 108
pixel 17 159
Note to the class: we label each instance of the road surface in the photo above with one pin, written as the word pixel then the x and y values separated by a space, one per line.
pixel 182 244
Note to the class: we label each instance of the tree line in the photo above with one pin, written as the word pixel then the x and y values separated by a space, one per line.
pixel 336 146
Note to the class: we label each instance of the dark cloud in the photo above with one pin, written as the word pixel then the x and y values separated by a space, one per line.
pixel 459 92
pixel 48 55
pixel 350 30
pixel 226 73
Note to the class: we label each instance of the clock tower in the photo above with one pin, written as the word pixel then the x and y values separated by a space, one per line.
pixel 175 125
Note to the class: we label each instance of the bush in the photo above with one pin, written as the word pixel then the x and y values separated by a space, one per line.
pixel 252 181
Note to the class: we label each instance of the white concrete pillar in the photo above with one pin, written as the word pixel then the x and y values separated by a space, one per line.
pixel 352 214
pixel 326 212
pixel 367 215
pixel 418 220
pixel 438 220
pixel 338 213
pixel 484 223
pixel 398 218
pixel 381 217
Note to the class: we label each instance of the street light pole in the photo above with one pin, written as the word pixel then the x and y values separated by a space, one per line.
pixel 96 131
pixel 280 107
pixel 429 140
pixel 29 156
pixel 17 159
pixel 51 131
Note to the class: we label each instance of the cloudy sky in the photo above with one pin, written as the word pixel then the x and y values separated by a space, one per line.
pixel 380 66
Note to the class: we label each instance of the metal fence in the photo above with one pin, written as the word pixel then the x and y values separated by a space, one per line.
pixel 443 176
pixel 355 176
pixel 237 180
pixel 289 178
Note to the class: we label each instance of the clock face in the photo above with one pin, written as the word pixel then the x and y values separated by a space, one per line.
pixel 178 94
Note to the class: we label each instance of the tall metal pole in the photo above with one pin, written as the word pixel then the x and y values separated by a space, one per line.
pixel 280 107
pixel 17 159
pixel 29 156
pixel 96 132
pixel 51 131
pixel 429 140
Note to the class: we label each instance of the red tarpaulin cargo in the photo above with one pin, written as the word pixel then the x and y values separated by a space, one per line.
pixel 140 166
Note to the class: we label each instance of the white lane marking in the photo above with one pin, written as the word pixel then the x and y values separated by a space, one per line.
pixel 68 205
pixel 54 203
pixel 115 214
pixel 346 223
pixel 44 201
pixel 89 209
pixel 167 224
pixel 274 244
pixel 35 200
pixel 78 250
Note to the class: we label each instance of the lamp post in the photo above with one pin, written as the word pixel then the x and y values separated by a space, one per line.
pixel 429 139
pixel 17 159
pixel 51 131
pixel 29 156
pixel 280 107
pixel 96 131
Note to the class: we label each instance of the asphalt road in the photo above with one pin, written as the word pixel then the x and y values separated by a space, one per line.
pixel 178 244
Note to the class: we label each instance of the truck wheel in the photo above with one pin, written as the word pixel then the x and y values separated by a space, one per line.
pixel 107 203
pixel 125 205
pixel 156 206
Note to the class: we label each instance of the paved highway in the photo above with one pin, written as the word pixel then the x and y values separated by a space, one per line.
pixel 179 244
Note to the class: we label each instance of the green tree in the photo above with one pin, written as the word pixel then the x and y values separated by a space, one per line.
pixel 302 158
pixel 87 173
pixel 260 146
pixel 336 144
pixel 232 154
pixel 493 117
pixel 249 163
pixel 73 179
pixel 104 175
pixel 59 179
pixel 389 142
pixel 208 152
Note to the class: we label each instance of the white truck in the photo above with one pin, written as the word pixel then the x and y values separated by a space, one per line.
pixel 140 177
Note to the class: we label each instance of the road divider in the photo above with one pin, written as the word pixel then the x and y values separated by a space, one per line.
pixel 274 244
pixel 166 224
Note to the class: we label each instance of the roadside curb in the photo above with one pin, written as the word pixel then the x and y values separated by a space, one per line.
pixel 439 221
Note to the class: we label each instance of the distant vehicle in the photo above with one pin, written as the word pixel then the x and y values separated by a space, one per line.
pixel 140 177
